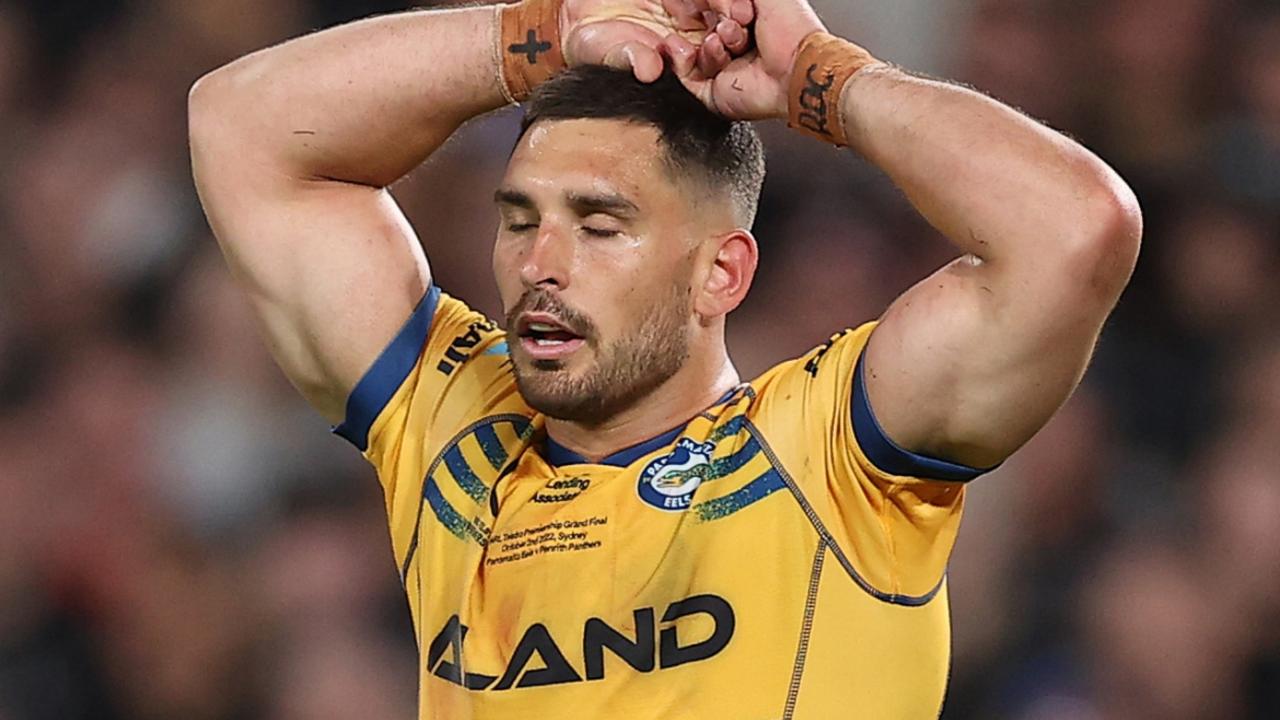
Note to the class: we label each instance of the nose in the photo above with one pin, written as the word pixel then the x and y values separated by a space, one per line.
pixel 549 259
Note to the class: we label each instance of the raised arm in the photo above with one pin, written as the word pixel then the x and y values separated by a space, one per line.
pixel 293 148
pixel 971 362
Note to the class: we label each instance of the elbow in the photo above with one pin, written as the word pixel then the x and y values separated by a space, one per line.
pixel 220 105
pixel 202 116
pixel 1110 236
pixel 206 108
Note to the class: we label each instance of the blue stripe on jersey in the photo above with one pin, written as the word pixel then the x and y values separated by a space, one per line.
pixel 388 372
pixel 494 452
pixel 754 491
pixel 890 457
pixel 726 465
pixel 729 429
pixel 431 495
pixel 450 518
pixel 464 475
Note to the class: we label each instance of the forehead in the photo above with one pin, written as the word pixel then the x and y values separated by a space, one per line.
pixel 612 155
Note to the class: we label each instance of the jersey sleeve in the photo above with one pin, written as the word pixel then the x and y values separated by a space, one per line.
pixel 446 368
pixel 893 514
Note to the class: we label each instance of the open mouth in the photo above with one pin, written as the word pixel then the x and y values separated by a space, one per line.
pixel 546 338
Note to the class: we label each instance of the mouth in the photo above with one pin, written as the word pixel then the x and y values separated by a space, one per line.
pixel 545 337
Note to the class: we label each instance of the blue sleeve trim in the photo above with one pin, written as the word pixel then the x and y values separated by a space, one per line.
pixel 388 373
pixel 890 457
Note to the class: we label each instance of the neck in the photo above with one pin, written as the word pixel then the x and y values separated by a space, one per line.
pixel 694 388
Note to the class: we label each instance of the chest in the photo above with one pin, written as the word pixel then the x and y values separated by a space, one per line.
pixel 587 537
pixel 671 559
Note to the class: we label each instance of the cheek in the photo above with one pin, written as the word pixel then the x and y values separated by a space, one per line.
pixel 632 304
pixel 506 274
pixel 608 300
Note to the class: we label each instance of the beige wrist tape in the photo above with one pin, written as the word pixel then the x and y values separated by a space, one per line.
pixel 528 45
pixel 823 68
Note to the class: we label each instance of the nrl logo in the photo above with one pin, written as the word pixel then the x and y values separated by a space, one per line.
pixel 669 482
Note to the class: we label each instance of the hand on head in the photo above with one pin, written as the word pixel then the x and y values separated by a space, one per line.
pixel 629 34
pixel 734 55
pixel 750 84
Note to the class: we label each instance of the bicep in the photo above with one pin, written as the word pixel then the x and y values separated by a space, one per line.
pixel 968 365
pixel 332 270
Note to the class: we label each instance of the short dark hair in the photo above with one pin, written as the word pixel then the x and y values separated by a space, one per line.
pixel 726 155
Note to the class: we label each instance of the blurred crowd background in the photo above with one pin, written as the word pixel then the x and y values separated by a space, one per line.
pixel 181 538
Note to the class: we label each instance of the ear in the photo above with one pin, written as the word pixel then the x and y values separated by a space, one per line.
pixel 732 266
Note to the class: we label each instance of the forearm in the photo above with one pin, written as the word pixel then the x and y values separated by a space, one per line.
pixel 363 103
pixel 999 185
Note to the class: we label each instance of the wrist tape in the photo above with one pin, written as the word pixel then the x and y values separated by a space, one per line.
pixel 823 68
pixel 527 46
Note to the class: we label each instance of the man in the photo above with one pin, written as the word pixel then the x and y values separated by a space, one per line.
pixel 593 516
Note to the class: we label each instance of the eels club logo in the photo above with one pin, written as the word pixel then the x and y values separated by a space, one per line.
pixel 669 482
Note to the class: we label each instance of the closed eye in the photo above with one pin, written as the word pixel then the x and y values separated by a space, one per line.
pixel 600 232
pixel 521 227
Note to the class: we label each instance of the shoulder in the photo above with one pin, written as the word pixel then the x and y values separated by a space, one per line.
pixel 447 367
pixel 827 366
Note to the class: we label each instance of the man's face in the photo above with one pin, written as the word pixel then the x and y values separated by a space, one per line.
pixel 595 264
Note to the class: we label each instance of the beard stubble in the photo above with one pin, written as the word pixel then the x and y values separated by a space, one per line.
pixel 624 372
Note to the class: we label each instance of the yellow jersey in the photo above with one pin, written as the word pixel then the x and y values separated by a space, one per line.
pixel 775 557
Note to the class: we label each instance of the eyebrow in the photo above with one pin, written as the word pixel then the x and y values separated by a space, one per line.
pixel 582 203
pixel 608 203
pixel 516 198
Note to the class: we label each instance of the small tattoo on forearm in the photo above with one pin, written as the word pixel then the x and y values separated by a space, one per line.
pixel 531 47
pixel 815 114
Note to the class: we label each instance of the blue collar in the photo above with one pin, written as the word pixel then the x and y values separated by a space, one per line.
pixel 559 456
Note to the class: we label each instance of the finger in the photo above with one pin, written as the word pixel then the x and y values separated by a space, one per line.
pixel 646 63
pixel 741 11
pixel 733 35
pixel 706 65
pixel 683 55
pixel 713 57
pixel 685 13
pixel 643 61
